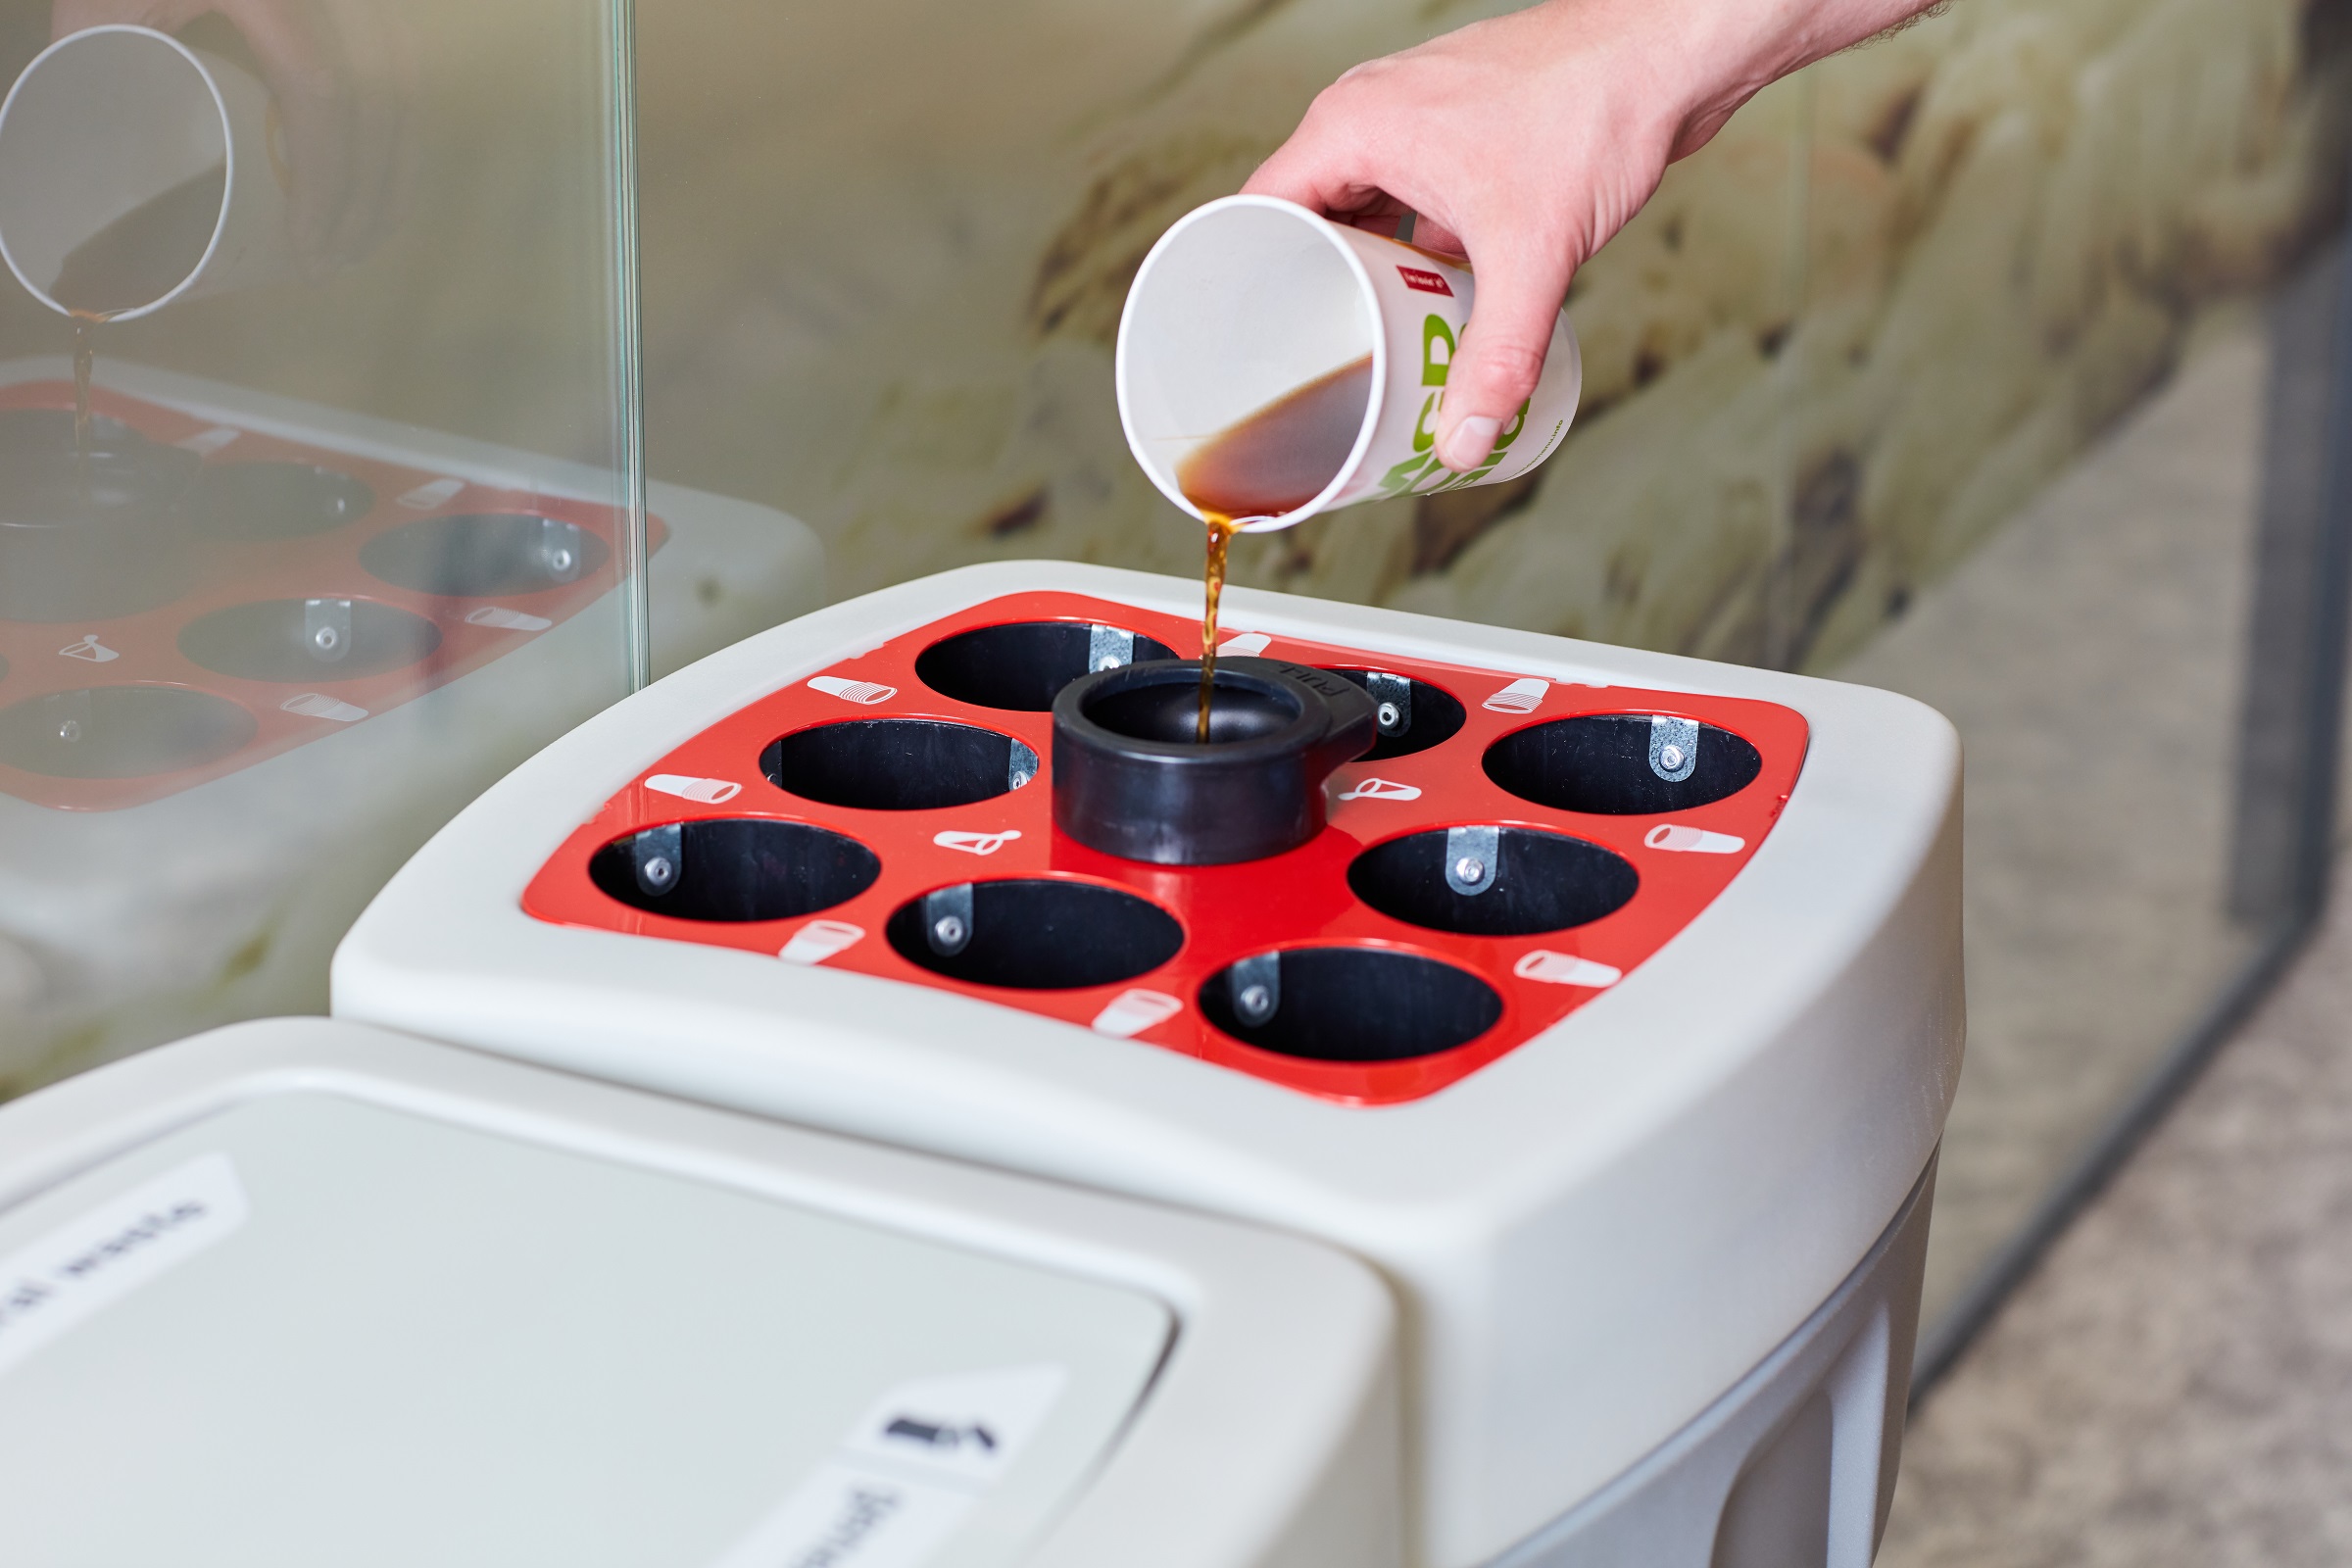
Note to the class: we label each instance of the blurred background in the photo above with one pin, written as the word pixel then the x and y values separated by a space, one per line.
pixel 1993 361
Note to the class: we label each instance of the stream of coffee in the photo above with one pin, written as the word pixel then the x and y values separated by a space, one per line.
pixel 1271 462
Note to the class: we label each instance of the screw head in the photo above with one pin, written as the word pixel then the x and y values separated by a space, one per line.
pixel 1389 715
pixel 1256 1003
pixel 1671 756
pixel 326 639
pixel 660 871
pixel 70 730
pixel 950 930
pixel 559 559
pixel 1106 661
pixel 1469 868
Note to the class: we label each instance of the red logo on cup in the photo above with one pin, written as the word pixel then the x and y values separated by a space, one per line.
pixel 1425 282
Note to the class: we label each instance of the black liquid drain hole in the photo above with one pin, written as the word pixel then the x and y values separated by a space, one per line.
pixel 120 732
pixel 476 555
pixel 1413 714
pixel 1025 665
pixel 1623 764
pixel 1492 882
pixel 898 764
pixel 87 541
pixel 273 501
pixel 1349 1003
pixel 306 640
pixel 734 868
pixel 1034 934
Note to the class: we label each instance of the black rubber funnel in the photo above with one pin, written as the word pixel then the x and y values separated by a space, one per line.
pixel 1132 779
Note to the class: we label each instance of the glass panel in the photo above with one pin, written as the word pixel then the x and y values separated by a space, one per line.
pixel 354 525
pixel 1949 367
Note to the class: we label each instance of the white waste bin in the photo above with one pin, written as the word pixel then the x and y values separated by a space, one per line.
pixel 1613 1013
pixel 301 1293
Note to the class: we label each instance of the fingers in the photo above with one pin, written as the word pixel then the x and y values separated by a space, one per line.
pixel 1503 351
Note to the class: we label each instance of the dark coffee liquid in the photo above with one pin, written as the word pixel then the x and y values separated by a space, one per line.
pixel 146 253
pixel 85 361
pixel 1272 461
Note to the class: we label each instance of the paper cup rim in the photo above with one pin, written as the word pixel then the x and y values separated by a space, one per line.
pixel 228 184
pixel 1332 235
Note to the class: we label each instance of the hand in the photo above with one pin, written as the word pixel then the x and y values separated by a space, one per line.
pixel 340 71
pixel 1527 141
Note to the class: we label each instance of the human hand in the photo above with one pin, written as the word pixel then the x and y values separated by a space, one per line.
pixel 1527 141
pixel 340 72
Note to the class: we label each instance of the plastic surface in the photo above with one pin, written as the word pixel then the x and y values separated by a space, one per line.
pixel 1131 778
pixel 1597 1233
pixel 1554 920
pixel 457 1310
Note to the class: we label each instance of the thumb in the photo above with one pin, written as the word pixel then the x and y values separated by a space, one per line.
pixel 1501 356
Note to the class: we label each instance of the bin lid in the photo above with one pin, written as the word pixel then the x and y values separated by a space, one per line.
pixel 309 1328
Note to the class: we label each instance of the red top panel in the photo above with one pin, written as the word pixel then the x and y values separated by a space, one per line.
pixel 1228 913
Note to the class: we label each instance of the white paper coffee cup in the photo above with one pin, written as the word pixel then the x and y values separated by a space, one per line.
pixel 108 120
pixel 1249 298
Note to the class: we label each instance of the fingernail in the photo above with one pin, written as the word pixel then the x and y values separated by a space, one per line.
pixel 1470 444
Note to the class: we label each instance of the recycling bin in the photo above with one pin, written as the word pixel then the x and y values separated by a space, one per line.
pixel 1608 1004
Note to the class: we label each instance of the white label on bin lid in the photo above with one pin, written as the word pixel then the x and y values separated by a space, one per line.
pixel 112 1249
pixel 904 1477
pixel 686 787
pixel 1677 839
pixel 819 940
pixel 318 705
pixel 425 497
pixel 853 1517
pixel 852 691
pixel 1131 1012
pixel 1521 696
pixel 1565 970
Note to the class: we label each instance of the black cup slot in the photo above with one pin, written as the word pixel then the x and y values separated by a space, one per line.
pixel 1492 882
pixel 1413 714
pixel 1169 712
pixel 734 868
pixel 1349 1003
pixel 86 538
pixel 1035 934
pixel 307 640
pixel 1623 764
pixel 273 501
pixel 898 764
pixel 120 732
pixel 40 430
pixel 482 553
pixel 1025 665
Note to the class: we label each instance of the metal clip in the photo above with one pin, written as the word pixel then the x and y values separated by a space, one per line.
pixel 68 716
pixel 948 920
pixel 1392 701
pixel 1021 767
pixel 559 550
pixel 1672 748
pixel 1473 859
pixel 326 629
pixel 1108 648
pixel 1258 988
pixel 660 854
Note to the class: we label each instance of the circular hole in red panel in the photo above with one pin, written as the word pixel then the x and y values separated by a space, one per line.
pixel 1623 764
pixel 734 868
pixel 480 554
pixel 306 641
pixel 1492 882
pixel 898 764
pixel 1419 717
pixel 1034 934
pixel 121 731
pixel 1024 665
pixel 273 501
pixel 84 538
pixel 1349 1003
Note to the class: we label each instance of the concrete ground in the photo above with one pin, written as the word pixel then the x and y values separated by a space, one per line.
pixel 2174 1384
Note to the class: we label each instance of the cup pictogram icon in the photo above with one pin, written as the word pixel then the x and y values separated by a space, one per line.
pixel 864 691
pixel 91 649
pixel 1381 789
pixel 1131 1012
pixel 975 843
pixel 686 787
pixel 1565 970
pixel 1677 839
pixel 1521 696
pixel 820 940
